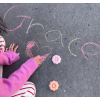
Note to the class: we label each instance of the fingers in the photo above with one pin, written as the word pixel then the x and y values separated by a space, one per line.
pixel 37 59
pixel 16 48
pixel 38 62
pixel 6 49
pixel 11 48
pixel 18 53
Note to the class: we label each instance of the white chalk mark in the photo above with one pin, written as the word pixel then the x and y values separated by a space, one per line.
pixel 30 25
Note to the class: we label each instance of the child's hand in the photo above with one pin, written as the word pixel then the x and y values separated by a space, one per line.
pixel 37 59
pixel 11 48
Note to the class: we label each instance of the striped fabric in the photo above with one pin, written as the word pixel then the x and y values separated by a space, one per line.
pixel 2 44
pixel 28 90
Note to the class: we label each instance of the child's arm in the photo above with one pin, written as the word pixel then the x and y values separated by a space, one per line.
pixel 9 57
pixel 16 80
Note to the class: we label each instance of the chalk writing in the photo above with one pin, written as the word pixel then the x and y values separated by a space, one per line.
pixel 33 25
pixel 29 46
pixel 87 52
pixel 70 44
pixel 46 55
pixel 45 47
pixel 23 16
pixel 60 36
pixel 19 26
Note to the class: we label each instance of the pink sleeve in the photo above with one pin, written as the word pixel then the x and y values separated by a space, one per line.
pixel 8 57
pixel 16 80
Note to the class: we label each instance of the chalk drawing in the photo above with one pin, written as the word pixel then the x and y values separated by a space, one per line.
pixel 87 52
pixel 60 36
pixel 19 26
pixel 30 25
pixel 42 58
pixel 31 44
pixel 70 44
pixel 23 16
pixel 46 47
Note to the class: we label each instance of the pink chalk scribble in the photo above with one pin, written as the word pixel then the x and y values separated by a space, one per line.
pixel 23 16
pixel 19 26
pixel 87 52
pixel 42 58
pixel 29 47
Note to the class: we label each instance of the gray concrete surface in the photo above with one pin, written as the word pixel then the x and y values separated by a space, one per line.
pixel 76 76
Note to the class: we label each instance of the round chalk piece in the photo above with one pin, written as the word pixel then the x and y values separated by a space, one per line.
pixel 56 59
pixel 53 85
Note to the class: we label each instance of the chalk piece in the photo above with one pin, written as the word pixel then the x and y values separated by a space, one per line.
pixel 56 59
pixel 53 85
